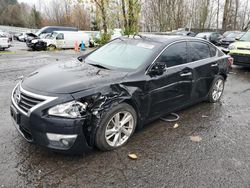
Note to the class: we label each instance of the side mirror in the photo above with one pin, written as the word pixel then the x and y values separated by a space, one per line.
pixel 237 38
pixel 80 59
pixel 158 69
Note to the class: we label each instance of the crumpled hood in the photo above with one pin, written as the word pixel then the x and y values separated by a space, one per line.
pixel 70 77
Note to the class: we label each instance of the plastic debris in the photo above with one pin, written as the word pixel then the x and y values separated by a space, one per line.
pixel 195 138
pixel 132 156
pixel 176 126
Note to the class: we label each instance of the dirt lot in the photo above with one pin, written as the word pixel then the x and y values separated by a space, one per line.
pixel 167 157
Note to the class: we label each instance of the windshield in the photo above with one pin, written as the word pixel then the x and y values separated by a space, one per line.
pixel 232 35
pixel 245 37
pixel 123 54
pixel 52 35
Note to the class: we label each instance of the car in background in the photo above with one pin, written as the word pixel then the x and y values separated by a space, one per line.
pixel 51 29
pixel 212 37
pixel 230 38
pixel 44 33
pixel 62 40
pixel 116 33
pixel 94 36
pixel 240 50
pixel 71 107
pixel 4 42
pixel 184 33
pixel 38 43
pixel 7 34
pixel 229 32
pixel 22 37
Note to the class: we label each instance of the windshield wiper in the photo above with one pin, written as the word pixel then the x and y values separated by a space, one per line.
pixel 99 66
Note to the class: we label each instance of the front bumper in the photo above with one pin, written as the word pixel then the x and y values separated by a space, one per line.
pixel 58 134
pixel 37 46
pixel 241 59
pixel 5 46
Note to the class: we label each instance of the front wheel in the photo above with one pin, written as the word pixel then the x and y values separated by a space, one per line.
pixel 217 89
pixel 51 47
pixel 116 127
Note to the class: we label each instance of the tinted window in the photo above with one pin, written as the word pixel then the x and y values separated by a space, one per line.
pixel 174 55
pixel 198 51
pixel 213 50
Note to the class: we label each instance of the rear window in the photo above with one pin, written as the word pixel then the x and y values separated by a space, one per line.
pixel 198 51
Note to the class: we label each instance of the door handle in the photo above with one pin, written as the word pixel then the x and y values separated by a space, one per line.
pixel 186 74
pixel 214 65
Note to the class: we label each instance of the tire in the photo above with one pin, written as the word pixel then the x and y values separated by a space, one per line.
pixel 216 89
pixel 107 135
pixel 51 47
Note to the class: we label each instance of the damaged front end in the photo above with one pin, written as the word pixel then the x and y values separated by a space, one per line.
pixel 98 104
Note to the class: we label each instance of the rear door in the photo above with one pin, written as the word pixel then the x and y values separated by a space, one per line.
pixel 203 62
pixel 172 89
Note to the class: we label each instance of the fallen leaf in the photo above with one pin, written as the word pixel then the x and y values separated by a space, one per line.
pixel 196 138
pixel 176 126
pixel 132 156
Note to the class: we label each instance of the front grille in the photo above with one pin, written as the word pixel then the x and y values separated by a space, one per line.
pixel 25 101
pixel 243 48
pixel 240 58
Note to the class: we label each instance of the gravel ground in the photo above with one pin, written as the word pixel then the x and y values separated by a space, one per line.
pixel 210 148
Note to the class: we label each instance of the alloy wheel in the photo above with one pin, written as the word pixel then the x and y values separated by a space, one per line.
pixel 119 128
pixel 218 89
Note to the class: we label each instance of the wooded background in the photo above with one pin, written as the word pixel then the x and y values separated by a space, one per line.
pixel 130 15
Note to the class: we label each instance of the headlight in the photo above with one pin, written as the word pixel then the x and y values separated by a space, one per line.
pixel 232 47
pixel 73 109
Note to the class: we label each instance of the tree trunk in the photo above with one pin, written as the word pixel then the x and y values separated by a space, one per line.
pixel 125 21
pixel 236 13
pixel 217 15
pixel 225 15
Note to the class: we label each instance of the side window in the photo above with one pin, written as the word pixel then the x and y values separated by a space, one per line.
pixel 213 50
pixel 60 36
pixel 198 51
pixel 175 54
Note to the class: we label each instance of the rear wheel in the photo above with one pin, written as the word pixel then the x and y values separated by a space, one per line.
pixel 217 89
pixel 116 127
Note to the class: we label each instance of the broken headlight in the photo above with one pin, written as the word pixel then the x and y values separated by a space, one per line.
pixel 73 109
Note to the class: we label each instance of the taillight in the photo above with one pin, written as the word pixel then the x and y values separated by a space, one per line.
pixel 230 61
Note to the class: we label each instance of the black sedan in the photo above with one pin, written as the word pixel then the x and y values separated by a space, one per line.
pixel 100 100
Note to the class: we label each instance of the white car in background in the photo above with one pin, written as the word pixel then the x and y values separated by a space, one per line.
pixel 4 42
pixel 22 37
pixel 117 32
pixel 65 39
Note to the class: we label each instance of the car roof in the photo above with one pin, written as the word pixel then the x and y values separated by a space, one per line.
pixel 164 39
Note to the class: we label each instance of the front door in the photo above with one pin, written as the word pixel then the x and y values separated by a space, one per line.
pixel 172 89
